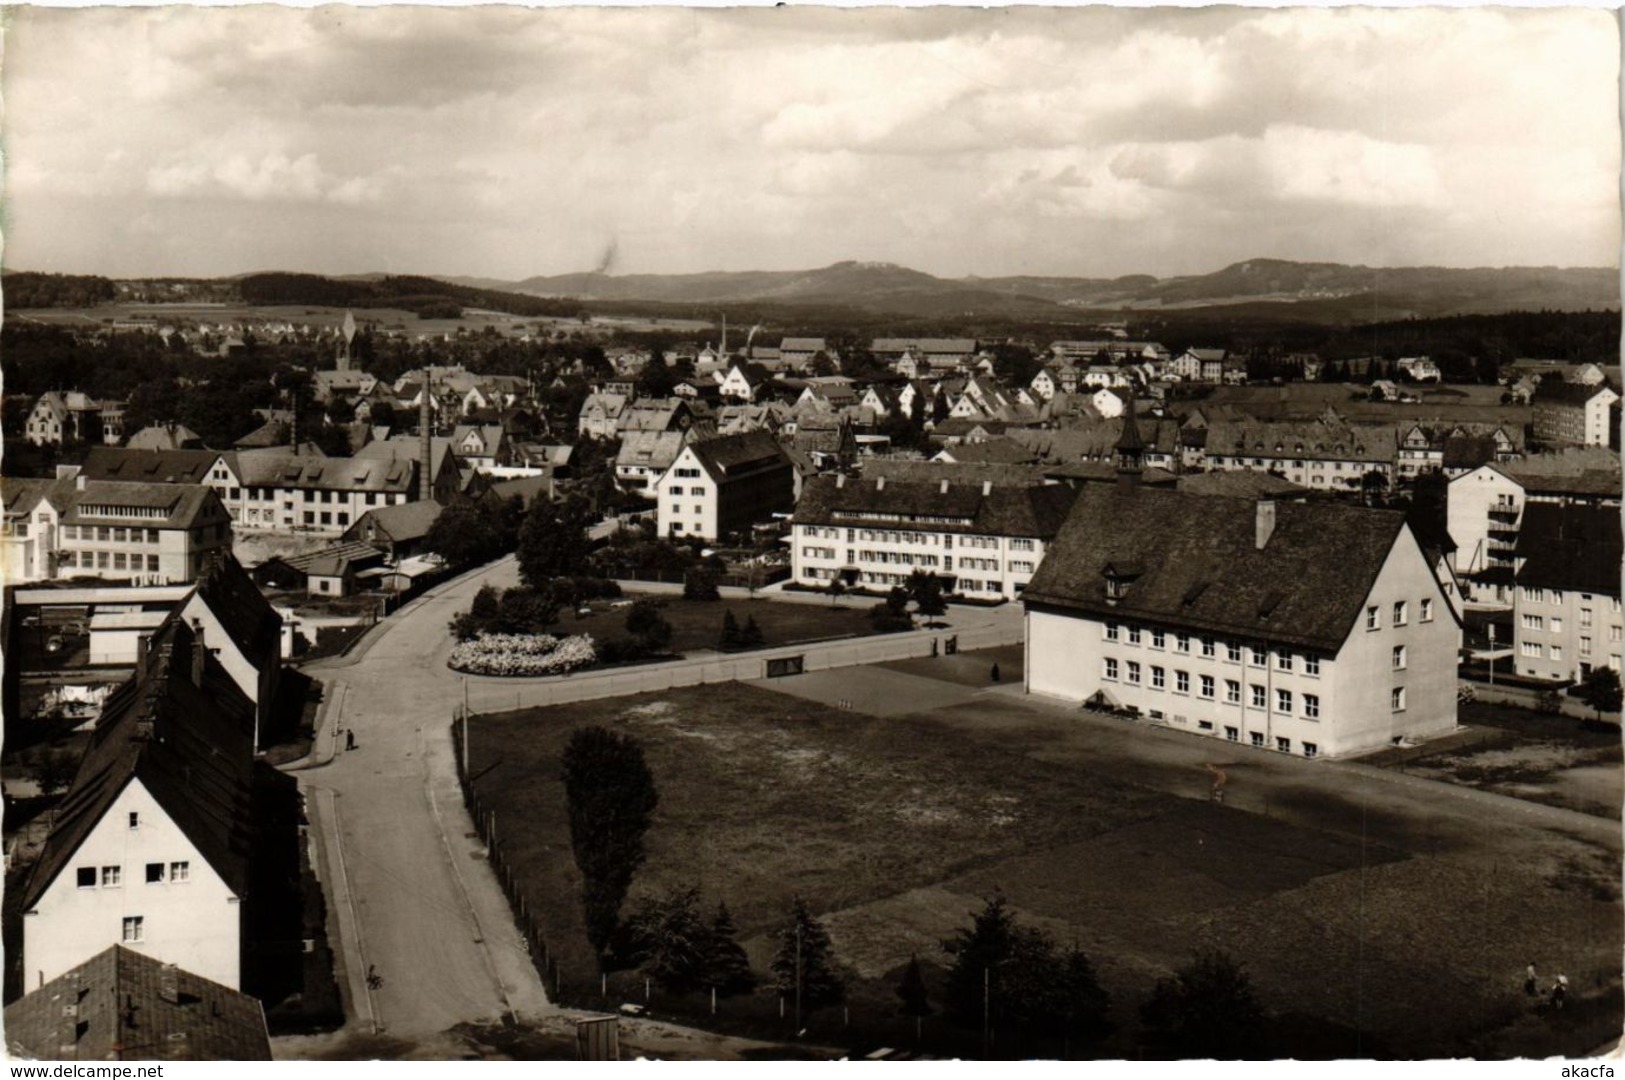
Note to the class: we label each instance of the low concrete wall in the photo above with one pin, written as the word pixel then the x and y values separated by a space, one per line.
pixel 488 694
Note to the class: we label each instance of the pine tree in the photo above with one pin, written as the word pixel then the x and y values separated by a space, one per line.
pixel 730 631
pixel 804 949
pixel 671 940
pixel 912 992
pixel 1207 1010
pixel 751 634
pixel 727 968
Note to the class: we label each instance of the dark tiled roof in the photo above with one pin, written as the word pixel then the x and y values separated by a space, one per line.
pixel 184 505
pixel 733 454
pixel 962 508
pixel 1239 483
pixel 242 610
pixel 528 488
pixel 151 466
pixel 405 521
pixel 958 472
pixel 1556 391
pixel 191 747
pixel 131 1007
pixel 329 561
pixel 1001 451
pixel 1570 547
pixel 1202 569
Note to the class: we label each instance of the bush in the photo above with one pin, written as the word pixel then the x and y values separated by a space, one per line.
pixel 645 623
pixel 700 583
pixel 523 654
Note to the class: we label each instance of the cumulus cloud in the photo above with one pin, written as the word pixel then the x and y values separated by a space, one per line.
pixel 506 142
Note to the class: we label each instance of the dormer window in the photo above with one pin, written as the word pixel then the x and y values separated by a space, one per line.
pixel 1119 576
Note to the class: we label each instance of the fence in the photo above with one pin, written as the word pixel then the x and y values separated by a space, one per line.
pixel 485 824
pixel 498 694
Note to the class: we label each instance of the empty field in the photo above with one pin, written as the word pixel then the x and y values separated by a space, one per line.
pixel 1369 929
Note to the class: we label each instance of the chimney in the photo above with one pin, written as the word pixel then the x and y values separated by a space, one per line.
pixel 424 442
pixel 987 488
pixel 79 482
pixel 1264 521
pixel 199 652
pixel 169 989
pixel 840 480
pixel 880 483
pixel 943 490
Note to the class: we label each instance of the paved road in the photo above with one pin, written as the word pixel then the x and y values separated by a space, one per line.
pixel 406 880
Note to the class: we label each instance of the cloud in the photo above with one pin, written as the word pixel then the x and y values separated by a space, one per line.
pixel 508 142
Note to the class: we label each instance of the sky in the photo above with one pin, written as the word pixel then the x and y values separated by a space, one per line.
pixel 510 142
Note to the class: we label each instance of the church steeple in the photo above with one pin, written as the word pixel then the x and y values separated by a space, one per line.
pixel 1130 451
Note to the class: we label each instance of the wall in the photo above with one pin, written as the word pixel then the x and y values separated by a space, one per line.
pixel 195 925
pixel 491 694
pixel 1467 514
pixel 1363 673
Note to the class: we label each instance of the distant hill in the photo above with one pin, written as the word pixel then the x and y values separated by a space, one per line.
pixel 1326 289
pixel 429 297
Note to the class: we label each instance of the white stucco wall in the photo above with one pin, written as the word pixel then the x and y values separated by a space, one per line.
pixel 194 924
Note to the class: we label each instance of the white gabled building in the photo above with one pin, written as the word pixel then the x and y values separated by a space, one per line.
pixel 721 487
pixel 1315 629
pixel 153 843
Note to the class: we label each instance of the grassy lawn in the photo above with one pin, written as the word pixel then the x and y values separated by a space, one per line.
pixel 895 829
pixel 1558 760
pixel 697 624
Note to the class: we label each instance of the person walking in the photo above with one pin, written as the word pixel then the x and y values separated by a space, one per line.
pixel 1560 992
pixel 1531 985
pixel 995 673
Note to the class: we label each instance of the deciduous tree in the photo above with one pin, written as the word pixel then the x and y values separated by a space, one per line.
pixel 610 794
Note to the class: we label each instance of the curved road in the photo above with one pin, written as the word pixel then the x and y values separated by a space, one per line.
pixel 407 880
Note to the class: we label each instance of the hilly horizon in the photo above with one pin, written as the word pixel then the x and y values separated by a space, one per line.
pixel 875 286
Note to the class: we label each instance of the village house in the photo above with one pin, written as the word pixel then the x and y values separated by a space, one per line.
pixel 74 417
pixel 1313 454
pixel 720 487
pixel 481 447
pixel 1316 629
pixel 154 842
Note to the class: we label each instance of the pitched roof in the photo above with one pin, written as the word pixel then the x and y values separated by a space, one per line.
pixel 183 505
pixel 738 454
pixel 1591 470
pixel 190 746
pixel 403 521
pixel 802 344
pixel 131 1007
pixel 1555 391
pixel 958 472
pixel 331 560
pixel 923 345
pixel 164 437
pixel 402 448
pixel 1239 483
pixel 1302 440
pixel 1570 547
pixel 363 472
pixel 241 608
pixel 160 466
pixel 1201 568
pixel 961 508
pixel 528 488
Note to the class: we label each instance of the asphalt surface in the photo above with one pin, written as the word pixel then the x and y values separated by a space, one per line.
pixel 406 877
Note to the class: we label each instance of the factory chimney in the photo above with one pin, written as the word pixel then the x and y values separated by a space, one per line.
pixel 425 443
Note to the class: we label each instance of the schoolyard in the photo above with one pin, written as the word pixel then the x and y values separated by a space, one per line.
pixel 697 624
pixel 1378 914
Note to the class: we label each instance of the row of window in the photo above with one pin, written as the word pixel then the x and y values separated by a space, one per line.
pixel 112 877
pixel 271 494
pixel 1555 596
pixel 1132 672
pixel 1400 613
pixel 1182 642
pixel 1256 738
pixel 697 489
pixel 108 534
pixel 327 517
pixel 107 560
pixel 1555 623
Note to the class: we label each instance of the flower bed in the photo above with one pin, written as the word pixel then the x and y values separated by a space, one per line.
pixel 523 654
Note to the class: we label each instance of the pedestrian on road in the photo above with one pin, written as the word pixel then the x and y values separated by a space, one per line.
pixel 995 672
pixel 1560 991
pixel 349 738
pixel 1531 985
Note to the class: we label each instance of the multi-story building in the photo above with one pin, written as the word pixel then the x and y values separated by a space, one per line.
pixel 798 353
pixel 1566 618
pixel 145 533
pixel 1306 628
pixel 984 540
pixel 1572 414
pixel 926 353
pixel 1485 506
pixel 153 843
pixel 1313 454
pixel 721 487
